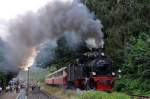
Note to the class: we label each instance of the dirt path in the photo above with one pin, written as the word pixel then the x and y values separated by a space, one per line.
pixel 8 96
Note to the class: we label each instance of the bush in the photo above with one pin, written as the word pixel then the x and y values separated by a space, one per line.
pixel 103 95
pixel 145 86
pixel 128 85
pixel 116 95
pixel 2 79
pixel 133 86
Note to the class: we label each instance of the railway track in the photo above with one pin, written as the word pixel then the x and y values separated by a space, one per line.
pixel 48 95
pixel 36 94
pixel 40 94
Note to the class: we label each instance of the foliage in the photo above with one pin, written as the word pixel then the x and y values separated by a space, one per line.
pixel 2 79
pixel 136 68
pixel 103 95
pixel 71 94
pixel 59 93
pixel 52 68
pixel 121 18
pixel 2 75
pixel 127 25
pixel 132 86
pixel 64 54
pixel 126 85
pixel 137 57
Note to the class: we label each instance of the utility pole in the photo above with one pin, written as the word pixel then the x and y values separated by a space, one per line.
pixel 27 91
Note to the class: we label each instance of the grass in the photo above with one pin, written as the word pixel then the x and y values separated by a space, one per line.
pixel 103 95
pixel 140 93
pixel 70 94
pixel 59 93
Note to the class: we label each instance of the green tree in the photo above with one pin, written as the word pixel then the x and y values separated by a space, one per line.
pixel 137 65
pixel 63 53
pixel 136 68
pixel 2 79
pixel 127 25
pixel 121 18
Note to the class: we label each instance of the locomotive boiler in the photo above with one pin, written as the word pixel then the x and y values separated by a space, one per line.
pixel 93 70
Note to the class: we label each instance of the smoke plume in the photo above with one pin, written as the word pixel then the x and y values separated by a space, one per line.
pixel 5 65
pixel 49 23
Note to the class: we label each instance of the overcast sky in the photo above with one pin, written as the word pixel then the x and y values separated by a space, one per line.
pixel 9 9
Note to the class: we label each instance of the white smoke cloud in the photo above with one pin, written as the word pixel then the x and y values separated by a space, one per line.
pixel 49 23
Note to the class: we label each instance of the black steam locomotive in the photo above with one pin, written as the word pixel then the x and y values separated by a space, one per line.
pixel 93 70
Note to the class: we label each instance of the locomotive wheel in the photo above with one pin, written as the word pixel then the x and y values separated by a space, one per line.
pixel 92 83
pixel 89 84
pixel 70 85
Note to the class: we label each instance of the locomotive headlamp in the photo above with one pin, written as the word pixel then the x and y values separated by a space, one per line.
pixel 113 73
pixel 93 73
pixel 102 54
pixel 119 71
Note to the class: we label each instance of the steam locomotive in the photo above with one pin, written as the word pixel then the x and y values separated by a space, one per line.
pixel 93 70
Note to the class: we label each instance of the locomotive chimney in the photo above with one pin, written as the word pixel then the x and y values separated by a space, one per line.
pixel 101 48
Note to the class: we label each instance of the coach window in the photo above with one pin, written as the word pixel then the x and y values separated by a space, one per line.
pixel 59 73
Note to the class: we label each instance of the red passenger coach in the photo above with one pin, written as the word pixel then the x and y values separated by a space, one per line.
pixel 58 78
pixel 93 70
